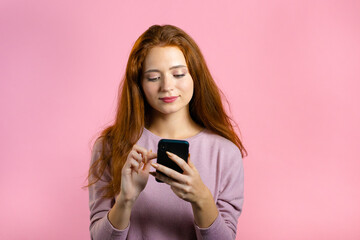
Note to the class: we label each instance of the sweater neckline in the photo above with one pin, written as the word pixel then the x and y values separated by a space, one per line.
pixel 153 135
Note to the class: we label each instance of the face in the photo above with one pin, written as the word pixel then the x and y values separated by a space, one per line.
pixel 166 82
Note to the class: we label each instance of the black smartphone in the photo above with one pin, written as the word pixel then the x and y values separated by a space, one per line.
pixel 177 147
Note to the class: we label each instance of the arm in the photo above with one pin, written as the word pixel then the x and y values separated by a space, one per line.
pixel 230 200
pixel 100 226
pixel 205 211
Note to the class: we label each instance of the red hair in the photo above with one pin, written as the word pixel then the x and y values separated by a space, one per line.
pixel 205 107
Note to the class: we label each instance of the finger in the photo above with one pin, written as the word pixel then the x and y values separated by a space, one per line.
pixel 133 156
pixel 179 186
pixel 191 164
pixel 144 153
pixel 140 150
pixel 169 172
pixel 135 165
pixel 179 192
pixel 179 161
pixel 137 156
pixel 147 165
pixel 151 155
pixel 147 160
pixel 163 178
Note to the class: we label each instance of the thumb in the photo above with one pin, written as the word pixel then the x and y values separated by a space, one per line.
pixel 147 166
pixel 190 163
pixel 147 161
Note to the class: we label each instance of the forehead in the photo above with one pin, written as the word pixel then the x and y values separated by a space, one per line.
pixel 164 57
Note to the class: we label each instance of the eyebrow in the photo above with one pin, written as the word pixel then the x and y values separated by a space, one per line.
pixel 156 70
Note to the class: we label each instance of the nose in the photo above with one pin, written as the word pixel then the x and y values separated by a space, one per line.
pixel 167 83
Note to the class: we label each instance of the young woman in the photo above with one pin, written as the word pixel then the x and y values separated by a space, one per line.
pixel 167 92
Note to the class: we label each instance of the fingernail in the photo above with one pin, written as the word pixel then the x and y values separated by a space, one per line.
pixel 154 165
pixel 168 153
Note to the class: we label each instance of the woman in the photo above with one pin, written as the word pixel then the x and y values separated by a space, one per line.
pixel 167 92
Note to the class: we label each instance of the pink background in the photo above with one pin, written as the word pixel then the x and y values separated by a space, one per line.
pixel 290 70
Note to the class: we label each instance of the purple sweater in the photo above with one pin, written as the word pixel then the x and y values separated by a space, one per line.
pixel 159 214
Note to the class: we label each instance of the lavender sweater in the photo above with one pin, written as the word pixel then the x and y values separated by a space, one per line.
pixel 159 214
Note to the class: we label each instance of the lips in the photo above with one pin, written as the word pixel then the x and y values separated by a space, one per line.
pixel 168 99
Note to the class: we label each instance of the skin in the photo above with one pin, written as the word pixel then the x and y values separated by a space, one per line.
pixel 165 74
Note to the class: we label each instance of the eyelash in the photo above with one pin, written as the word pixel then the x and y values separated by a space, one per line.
pixel 176 76
pixel 153 79
pixel 179 75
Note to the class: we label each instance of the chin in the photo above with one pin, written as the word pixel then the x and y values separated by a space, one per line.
pixel 168 110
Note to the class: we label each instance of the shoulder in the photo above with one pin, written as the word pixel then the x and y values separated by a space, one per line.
pixel 215 141
pixel 219 151
pixel 98 146
pixel 98 149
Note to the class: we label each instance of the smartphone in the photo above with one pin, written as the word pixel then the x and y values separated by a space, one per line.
pixel 177 147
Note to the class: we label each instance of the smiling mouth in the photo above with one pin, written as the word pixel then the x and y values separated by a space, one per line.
pixel 169 99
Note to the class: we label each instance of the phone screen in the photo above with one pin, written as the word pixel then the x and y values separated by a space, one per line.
pixel 177 147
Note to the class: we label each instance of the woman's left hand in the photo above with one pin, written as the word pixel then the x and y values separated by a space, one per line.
pixel 187 186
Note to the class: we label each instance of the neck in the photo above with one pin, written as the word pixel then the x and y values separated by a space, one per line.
pixel 177 125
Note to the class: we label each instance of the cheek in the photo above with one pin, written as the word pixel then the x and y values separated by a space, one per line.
pixel 149 91
pixel 187 86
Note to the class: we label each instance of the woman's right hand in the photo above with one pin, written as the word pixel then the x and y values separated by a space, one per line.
pixel 134 177
pixel 135 173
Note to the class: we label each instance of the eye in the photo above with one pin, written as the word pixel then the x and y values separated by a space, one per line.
pixel 179 75
pixel 153 79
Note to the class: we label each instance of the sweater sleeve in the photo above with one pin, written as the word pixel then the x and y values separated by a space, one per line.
pixel 100 226
pixel 229 201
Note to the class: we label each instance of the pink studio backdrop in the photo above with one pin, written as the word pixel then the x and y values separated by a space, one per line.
pixel 290 70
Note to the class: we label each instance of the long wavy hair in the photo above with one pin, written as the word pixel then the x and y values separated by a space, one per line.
pixel 133 111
